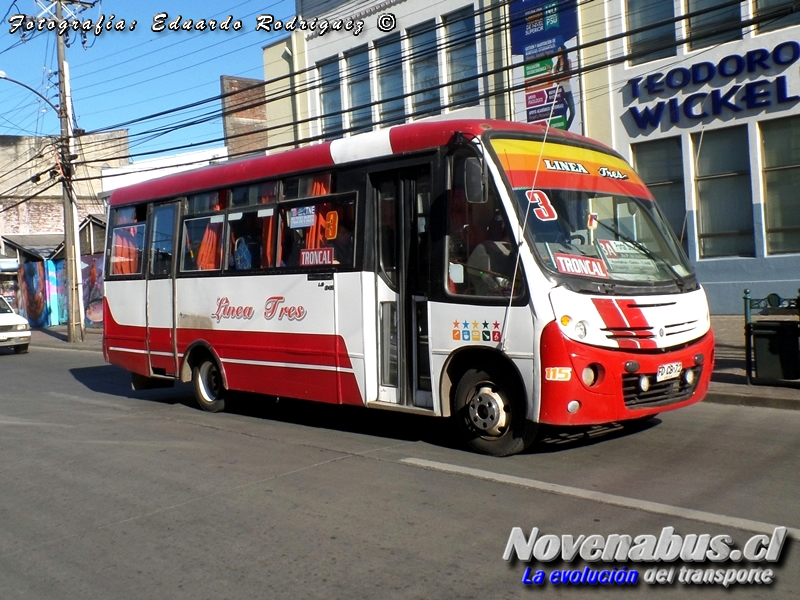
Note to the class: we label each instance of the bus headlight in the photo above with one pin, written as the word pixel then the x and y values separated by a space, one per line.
pixel 688 376
pixel 644 383
pixel 581 327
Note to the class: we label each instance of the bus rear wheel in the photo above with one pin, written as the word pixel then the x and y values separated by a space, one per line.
pixel 208 388
pixel 491 415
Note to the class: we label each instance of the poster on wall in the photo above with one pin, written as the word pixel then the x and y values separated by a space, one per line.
pixel 92 274
pixel 544 34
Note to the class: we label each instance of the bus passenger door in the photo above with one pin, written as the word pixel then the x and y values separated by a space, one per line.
pixel 402 207
pixel 160 295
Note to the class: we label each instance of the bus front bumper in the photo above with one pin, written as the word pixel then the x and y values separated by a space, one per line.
pixel 627 385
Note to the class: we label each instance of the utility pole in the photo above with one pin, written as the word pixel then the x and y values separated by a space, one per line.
pixel 75 327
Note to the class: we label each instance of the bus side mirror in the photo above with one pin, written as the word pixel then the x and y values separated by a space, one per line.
pixel 473 180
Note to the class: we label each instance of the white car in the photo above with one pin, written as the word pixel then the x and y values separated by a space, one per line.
pixel 14 330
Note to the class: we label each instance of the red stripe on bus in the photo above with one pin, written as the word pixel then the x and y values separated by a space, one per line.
pixel 636 318
pixel 310 369
pixel 612 317
pixel 320 386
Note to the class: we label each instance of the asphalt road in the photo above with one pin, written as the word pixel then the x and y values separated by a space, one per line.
pixel 114 494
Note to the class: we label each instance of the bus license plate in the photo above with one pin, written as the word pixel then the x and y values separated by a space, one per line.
pixel 669 371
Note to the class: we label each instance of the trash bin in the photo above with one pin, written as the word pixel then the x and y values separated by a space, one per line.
pixel 776 349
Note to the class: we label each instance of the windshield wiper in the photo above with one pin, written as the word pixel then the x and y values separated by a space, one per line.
pixel 679 280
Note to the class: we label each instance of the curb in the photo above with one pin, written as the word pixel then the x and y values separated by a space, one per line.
pixel 757 401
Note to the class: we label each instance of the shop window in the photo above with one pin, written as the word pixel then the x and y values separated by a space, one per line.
pixel 658 39
pixel 330 99
pixel 462 58
pixel 127 240
pixel 660 165
pixel 715 27
pixel 318 234
pixel 424 66
pixel 481 255
pixel 780 147
pixel 765 7
pixel 392 109
pixel 358 91
pixel 724 201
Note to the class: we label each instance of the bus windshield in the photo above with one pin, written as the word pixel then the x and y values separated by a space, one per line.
pixel 589 218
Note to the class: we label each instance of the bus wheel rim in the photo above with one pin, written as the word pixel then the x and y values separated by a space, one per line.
pixel 209 378
pixel 487 412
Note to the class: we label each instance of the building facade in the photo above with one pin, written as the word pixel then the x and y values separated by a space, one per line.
pixel 31 196
pixel 705 102
pixel 702 96
pixel 374 64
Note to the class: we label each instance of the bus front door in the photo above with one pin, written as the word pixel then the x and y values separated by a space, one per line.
pixel 161 349
pixel 402 206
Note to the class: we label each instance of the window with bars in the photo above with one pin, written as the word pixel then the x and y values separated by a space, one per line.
pixel 660 165
pixel 330 98
pixel 656 41
pixel 388 52
pixel 766 7
pixel 424 68
pixel 714 27
pixel 780 146
pixel 462 58
pixel 358 90
pixel 724 200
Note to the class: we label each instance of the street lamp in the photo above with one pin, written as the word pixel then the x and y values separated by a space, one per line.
pixel 27 87
pixel 75 329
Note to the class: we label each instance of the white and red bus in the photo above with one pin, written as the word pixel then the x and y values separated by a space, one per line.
pixel 496 272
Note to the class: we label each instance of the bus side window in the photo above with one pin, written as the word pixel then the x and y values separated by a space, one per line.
pixel 317 235
pixel 202 243
pixel 252 240
pixel 481 254
pixel 202 236
pixel 127 241
pixel 320 184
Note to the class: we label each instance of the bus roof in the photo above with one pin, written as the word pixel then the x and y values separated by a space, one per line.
pixel 382 142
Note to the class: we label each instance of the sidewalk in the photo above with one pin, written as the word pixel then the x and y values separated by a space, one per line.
pixel 728 382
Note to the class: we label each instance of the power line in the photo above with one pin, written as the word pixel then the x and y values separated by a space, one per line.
pixel 483 74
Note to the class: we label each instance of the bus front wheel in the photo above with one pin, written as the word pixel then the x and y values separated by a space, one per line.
pixel 490 414
pixel 208 387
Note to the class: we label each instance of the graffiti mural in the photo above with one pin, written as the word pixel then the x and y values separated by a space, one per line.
pixel 92 274
pixel 33 294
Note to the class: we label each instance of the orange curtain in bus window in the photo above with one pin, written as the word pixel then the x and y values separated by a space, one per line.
pixel 268 247
pixel 127 247
pixel 315 236
pixel 321 185
pixel 209 253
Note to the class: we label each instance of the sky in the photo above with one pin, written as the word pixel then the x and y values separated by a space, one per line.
pixel 124 75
